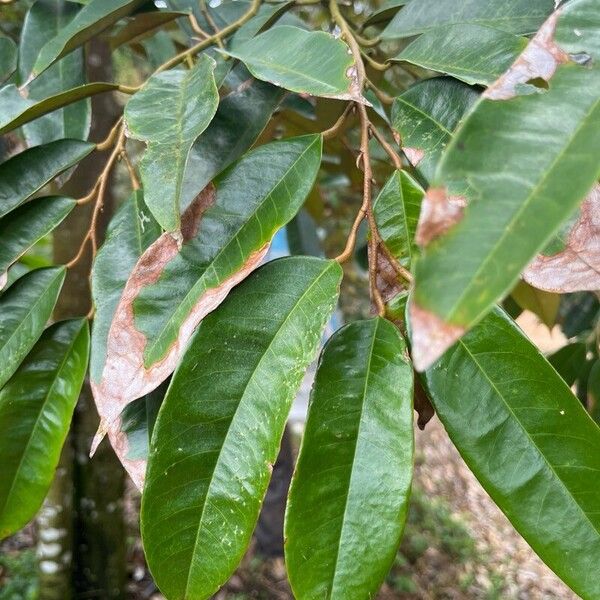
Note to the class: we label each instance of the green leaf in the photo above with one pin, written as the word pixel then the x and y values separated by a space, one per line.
pixel 308 62
pixel 349 495
pixel 192 98
pixel 396 210
pixel 514 16
pixel 225 235
pixel 241 117
pixel 426 116
pixel 28 172
pixel 478 239
pixel 17 110
pixel 8 57
pixel 219 428
pixel 528 440
pixel 472 53
pixel 23 227
pixel 132 230
pixel 142 25
pixel 544 304
pixel 569 361
pixel 385 12
pixel 266 16
pixel 36 406
pixel 25 308
pixel 92 19
pixel 43 21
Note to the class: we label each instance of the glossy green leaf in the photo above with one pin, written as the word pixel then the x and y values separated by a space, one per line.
pixel 43 21
pixel 219 428
pixel 25 308
pixel 426 115
pixel 15 110
pixel 26 173
pixel 545 140
pixel 93 18
pixel 8 57
pixel 23 227
pixel 472 53
pixel 265 17
pixel 241 117
pixel 515 16
pixel 349 496
pixel 569 361
pixel 225 235
pixel 385 12
pixel 309 62
pixel 131 231
pixel 141 25
pixel 528 440
pixel 36 406
pixel 192 99
pixel 396 210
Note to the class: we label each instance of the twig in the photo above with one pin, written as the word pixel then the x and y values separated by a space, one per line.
pixel 376 65
pixel 99 191
pixel 400 270
pixel 383 97
pixel 196 26
pixel 387 147
pixel 133 178
pixel 111 137
pixel 337 126
pixel 367 205
pixel 211 22
pixel 225 32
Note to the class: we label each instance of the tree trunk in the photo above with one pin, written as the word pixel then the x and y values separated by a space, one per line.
pixel 86 500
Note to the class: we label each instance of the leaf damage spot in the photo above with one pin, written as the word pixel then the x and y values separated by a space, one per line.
pixel 124 377
pixel 414 155
pixel 539 60
pixel 577 267
pixel 431 336
pixel 3 279
pixel 439 213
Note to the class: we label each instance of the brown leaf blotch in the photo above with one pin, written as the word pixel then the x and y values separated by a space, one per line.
pixel 577 267
pixel 431 336
pixel 439 212
pixel 125 377
pixel 414 155
pixel 539 60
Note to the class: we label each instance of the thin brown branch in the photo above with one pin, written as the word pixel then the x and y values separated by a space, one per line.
pixel 395 158
pixel 335 129
pixel 225 32
pixel 381 95
pixel 376 65
pixel 395 264
pixel 196 26
pixel 367 204
pixel 211 22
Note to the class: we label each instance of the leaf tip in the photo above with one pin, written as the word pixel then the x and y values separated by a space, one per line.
pixel 431 336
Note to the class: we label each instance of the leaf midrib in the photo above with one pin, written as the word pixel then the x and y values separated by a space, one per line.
pixel 256 369
pixel 526 433
pixel 30 312
pixel 360 424
pixel 534 192
pixel 39 416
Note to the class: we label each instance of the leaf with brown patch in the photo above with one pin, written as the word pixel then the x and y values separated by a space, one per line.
pixel 523 165
pixel 186 274
pixel 576 267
